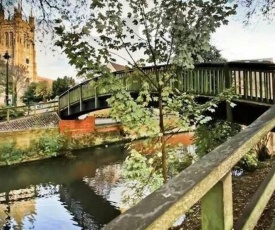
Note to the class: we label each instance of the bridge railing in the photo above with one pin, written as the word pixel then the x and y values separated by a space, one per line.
pixel 251 81
pixel 209 181
pixel 254 82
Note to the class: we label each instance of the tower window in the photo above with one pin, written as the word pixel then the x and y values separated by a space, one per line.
pixel 11 39
pixel 27 61
pixel 7 38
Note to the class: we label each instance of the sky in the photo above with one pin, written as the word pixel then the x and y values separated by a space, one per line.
pixel 235 41
pixel 238 42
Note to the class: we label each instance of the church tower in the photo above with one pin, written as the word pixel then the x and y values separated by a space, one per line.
pixel 17 37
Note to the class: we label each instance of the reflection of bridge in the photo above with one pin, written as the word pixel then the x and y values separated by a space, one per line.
pixel 253 82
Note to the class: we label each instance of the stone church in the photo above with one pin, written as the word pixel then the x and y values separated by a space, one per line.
pixel 17 37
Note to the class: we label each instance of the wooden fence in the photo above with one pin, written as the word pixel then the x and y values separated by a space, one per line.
pixel 209 181
pixel 25 110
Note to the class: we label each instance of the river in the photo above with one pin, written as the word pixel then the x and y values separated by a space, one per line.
pixel 79 192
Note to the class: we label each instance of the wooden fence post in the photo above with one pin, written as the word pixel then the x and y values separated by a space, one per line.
pixel 217 206
pixel 8 115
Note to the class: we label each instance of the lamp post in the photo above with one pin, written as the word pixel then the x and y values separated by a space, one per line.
pixel 7 57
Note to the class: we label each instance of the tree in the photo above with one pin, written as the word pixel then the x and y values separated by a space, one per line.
pixel 19 81
pixel 45 12
pixel 30 95
pixel 43 89
pixel 173 33
pixel 212 55
pixel 60 85
pixel 257 9
pixel 2 76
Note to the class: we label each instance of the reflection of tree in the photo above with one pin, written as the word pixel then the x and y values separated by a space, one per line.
pixel 105 178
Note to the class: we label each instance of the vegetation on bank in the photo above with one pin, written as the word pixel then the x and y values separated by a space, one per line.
pixel 142 171
pixel 51 145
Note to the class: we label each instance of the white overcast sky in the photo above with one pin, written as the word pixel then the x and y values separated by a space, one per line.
pixel 235 41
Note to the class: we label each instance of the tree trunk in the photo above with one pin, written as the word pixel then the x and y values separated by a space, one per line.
pixel 163 142
pixel 14 93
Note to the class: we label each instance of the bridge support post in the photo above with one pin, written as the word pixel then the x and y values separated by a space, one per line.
pixel 96 98
pixel 69 103
pixel 80 99
pixel 217 206
pixel 229 112
pixel 228 80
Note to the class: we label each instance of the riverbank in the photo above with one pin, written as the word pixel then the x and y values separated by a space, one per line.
pixel 38 144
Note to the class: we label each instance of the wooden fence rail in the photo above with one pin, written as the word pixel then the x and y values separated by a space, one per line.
pixel 209 181
pixel 31 109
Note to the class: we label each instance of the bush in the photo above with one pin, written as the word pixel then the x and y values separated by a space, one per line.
pixel 49 145
pixel 249 162
pixel 262 150
pixel 209 136
pixel 10 154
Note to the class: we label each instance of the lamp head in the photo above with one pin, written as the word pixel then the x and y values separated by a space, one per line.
pixel 7 56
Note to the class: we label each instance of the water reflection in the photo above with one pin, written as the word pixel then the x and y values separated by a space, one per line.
pixel 63 193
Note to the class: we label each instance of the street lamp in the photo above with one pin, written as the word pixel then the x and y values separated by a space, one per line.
pixel 7 57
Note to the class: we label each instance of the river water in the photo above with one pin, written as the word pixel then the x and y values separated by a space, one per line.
pixel 80 192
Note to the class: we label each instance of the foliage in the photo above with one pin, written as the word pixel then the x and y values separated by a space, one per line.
pixel 143 175
pixel 60 85
pixel 254 9
pixel 212 55
pixel 2 76
pixel 30 95
pixel 19 80
pixel 43 89
pixel 47 145
pixel 139 33
pixel 13 112
pixel 10 154
pixel 74 12
pixel 249 162
pixel 209 136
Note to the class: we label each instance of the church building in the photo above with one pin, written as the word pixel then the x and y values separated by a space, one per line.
pixel 17 37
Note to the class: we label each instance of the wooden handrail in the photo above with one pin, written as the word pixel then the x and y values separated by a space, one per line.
pixel 207 178
pixel 33 108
